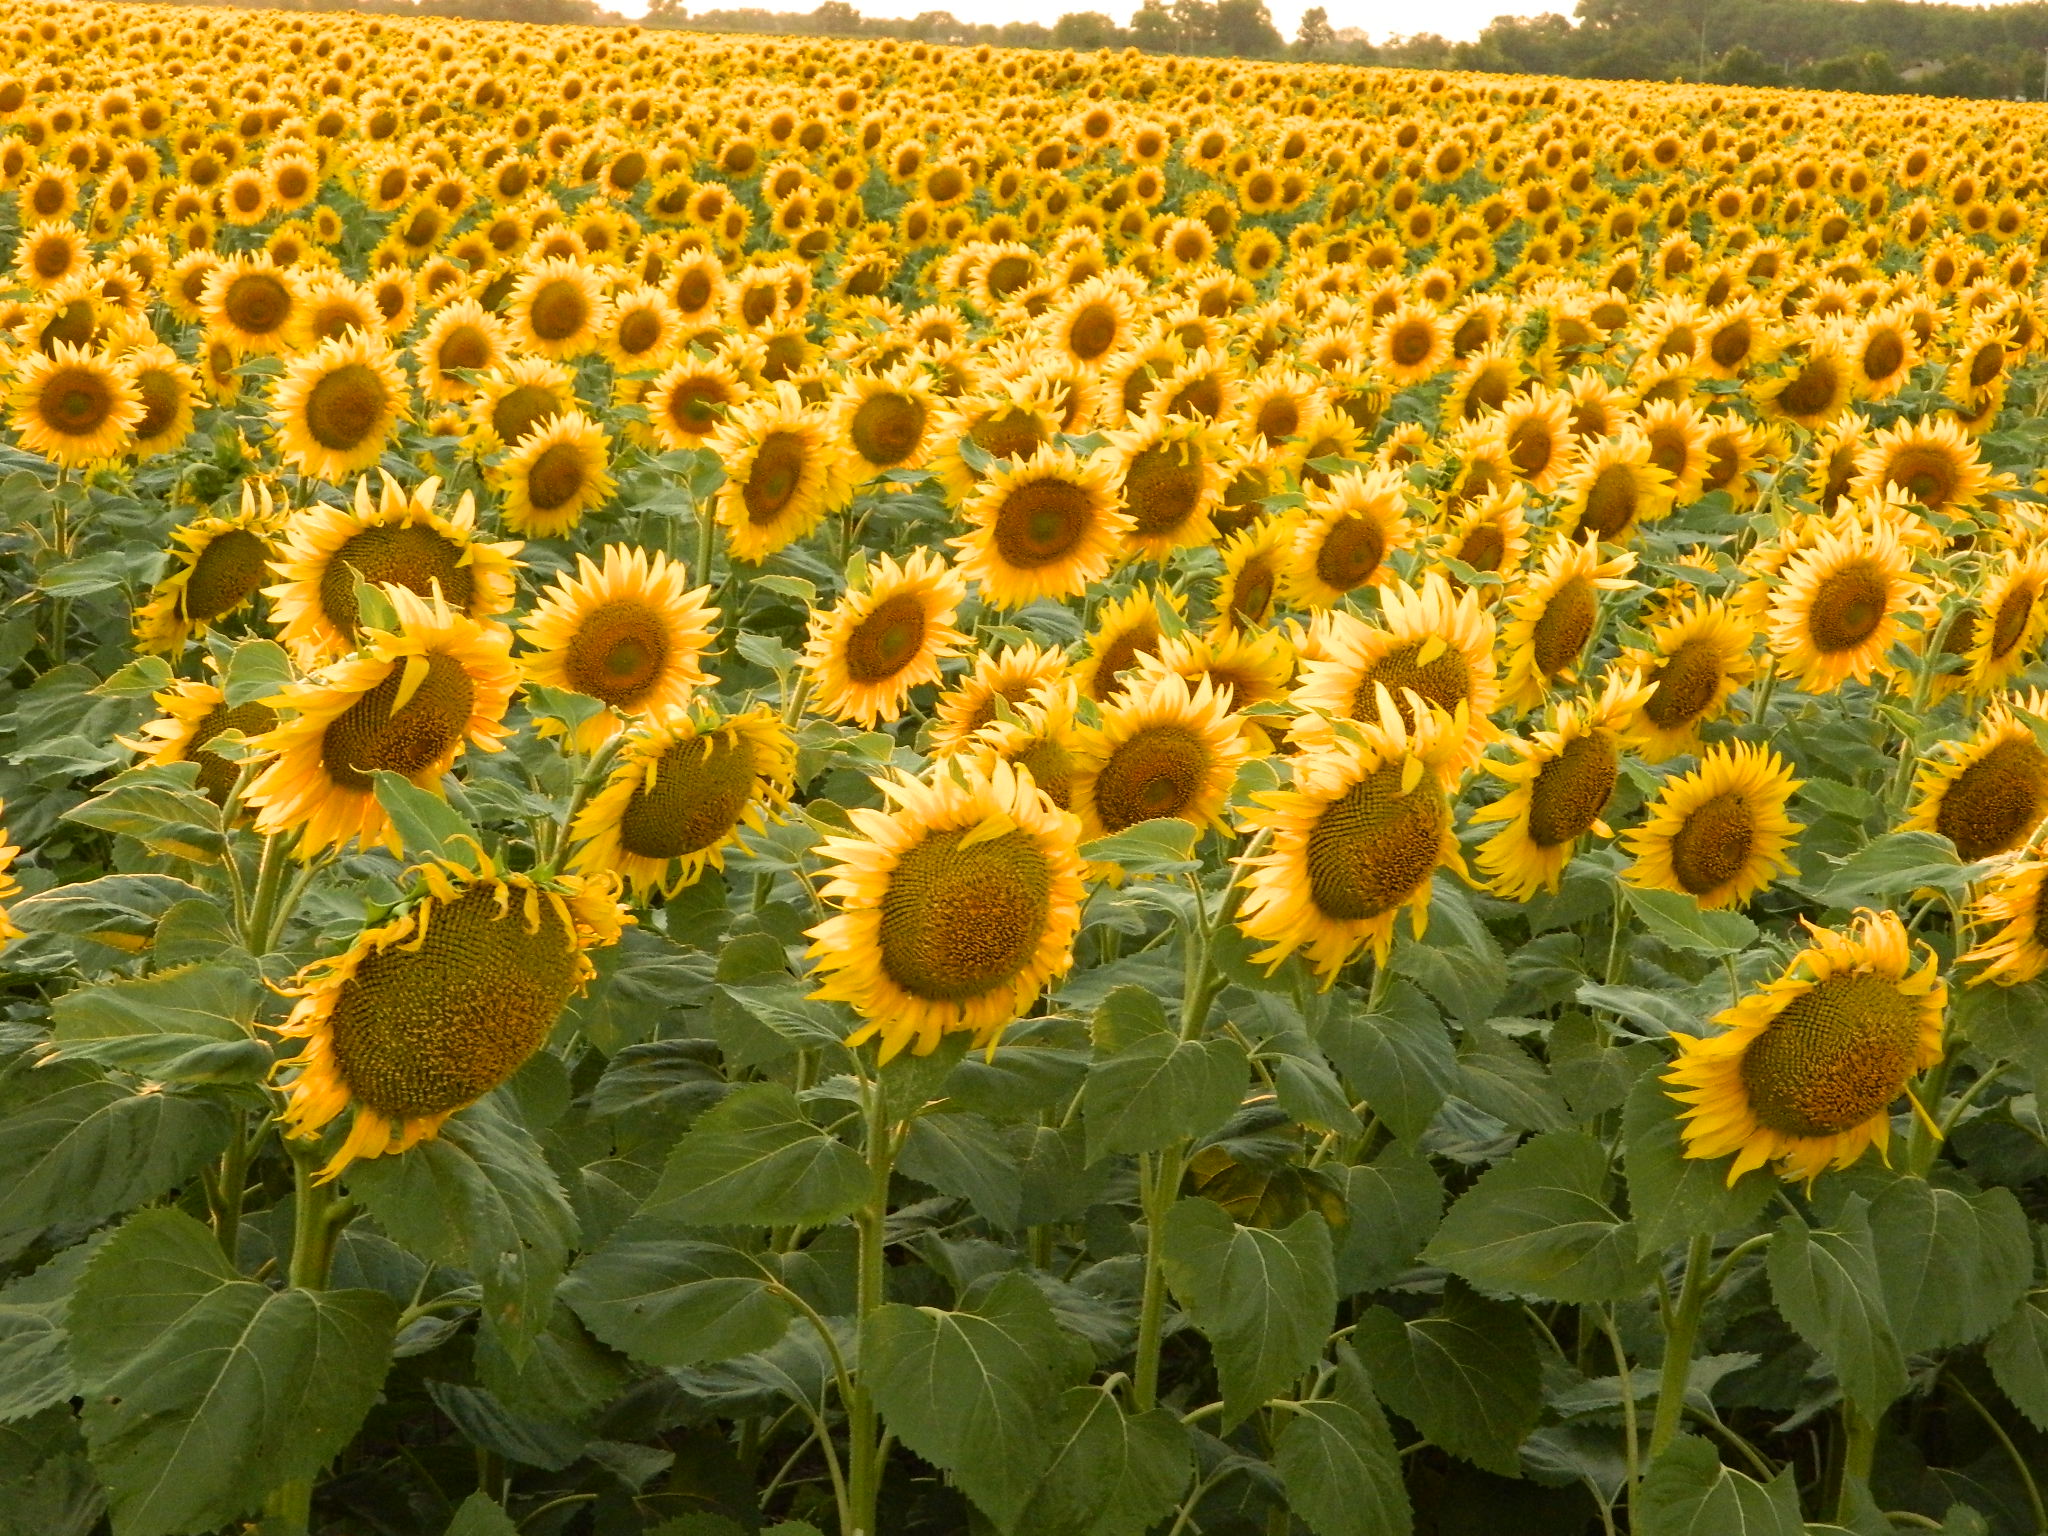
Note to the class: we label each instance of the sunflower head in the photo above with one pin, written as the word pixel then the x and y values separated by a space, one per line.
pixel 1720 833
pixel 885 637
pixel 1046 527
pixel 220 562
pixel 74 406
pixel 427 1013
pixel 334 407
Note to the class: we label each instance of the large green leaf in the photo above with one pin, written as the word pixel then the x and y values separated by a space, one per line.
pixel 95 1149
pixel 479 1195
pixel 204 1391
pixel 1952 1265
pixel 1468 1375
pixel 1394 1204
pixel 1673 1197
pixel 1541 1225
pixel 1266 1301
pixel 962 1154
pixel 120 911
pixel 754 1160
pixel 1825 1282
pixel 1159 1089
pixel 972 1391
pixel 1687 1492
pixel 1337 1461
pixel 668 1299
pixel 481 1515
pixel 2018 1356
pixel 192 1024
pixel 1398 1060
pixel 1112 1473
pixel 160 809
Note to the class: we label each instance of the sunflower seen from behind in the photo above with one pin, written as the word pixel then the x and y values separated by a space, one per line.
pixel 394 536
pixel 884 637
pixel 680 795
pixel 1803 1073
pixel 1718 834
pixel 425 1014
pixel 1353 843
pixel 628 631
pixel 955 906
pixel 408 702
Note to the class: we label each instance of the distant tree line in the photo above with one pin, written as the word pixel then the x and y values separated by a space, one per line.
pixel 1881 46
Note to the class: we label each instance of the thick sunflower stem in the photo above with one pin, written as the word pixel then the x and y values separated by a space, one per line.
pixel 865 1449
pixel 707 541
pixel 318 1215
pixel 1859 1454
pixel 260 930
pixel 1679 1336
pixel 1158 1183
pixel 1926 1143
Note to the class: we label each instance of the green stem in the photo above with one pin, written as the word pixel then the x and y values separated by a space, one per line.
pixel 1629 1427
pixel 864 1443
pixel 1926 1143
pixel 707 541
pixel 234 1180
pixel 1158 1183
pixel 1765 686
pixel 2019 1461
pixel 1679 1335
pixel 263 906
pixel 318 1215
pixel 1859 1452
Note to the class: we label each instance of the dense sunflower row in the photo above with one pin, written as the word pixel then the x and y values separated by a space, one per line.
pixel 946 468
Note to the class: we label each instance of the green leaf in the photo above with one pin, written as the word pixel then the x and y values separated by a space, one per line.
pixel 1395 1203
pixel 1952 1266
pixel 479 1195
pixel 427 824
pixel 1457 961
pixel 374 608
pixel 1677 920
pixel 755 1161
pixel 204 1391
pixel 1125 1017
pixel 481 1515
pixel 1468 1376
pixel 489 1424
pixel 120 911
pixel 971 1391
pixel 93 1150
pixel 1825 1282
pixel 1112 1473
pixel 138 680
pixel 1654 1012
pixel 1165 846
pixel 1337 1461
pixel 256 669
pixel 160 809
pixel 2018 1356
pixel 1399 1060
pixel 1892 867
pixel 1675 1197
pixel 667 1299
pixel 35 1362
pixel 1160 1089
pixel 1540 1225
pixel 2006 1022
pixel 1266 1301
pixel 1687 1492
pixel 195 1024
pixel 963 1155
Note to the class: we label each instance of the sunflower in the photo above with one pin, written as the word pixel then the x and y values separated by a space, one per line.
pixel 688 400
pixel 1412 345
pixel 1342 536
pixel 1047 526
pixel 1125 629
pixel 425 1014
pixel 195 713
pixel 220 563
pixel 783 472
pixel 9 886
pixel 1551 619
pixel 1615 485
pixel 1537 426
pixel 1817 385
pixel 74 406
pixel 1986 794
pixel 884 638
pixel 1678 445
pixel 1931 463
pixel 628 632
pixel 956 907
pixel 1839 604
pixel 1357 839
pixel 1164 749
pixel 885 420
pixel 169 393
pixel 1699 655
pixel 1561 780
pixel 397 538
pixel 1804 1072
pixel 1431 644
pixel 516 400
pixel 252 302
pixel 1490 535
pixel 1041 735
pixel 1885 352
pixel 463 338
pixel 1014 674
pixel 335 406
pixel 2009 901
pixel 1095 320
pixel 408 701
pixel 556 474
pixel 681 793
pixel 1246 669
pixel 1253 559
pixel 1998 636
pixel 557 309
pixel 1718 834
pixel 642 330
pixel 1170 478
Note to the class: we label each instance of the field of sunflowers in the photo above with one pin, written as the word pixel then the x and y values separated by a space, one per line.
pixel 859 790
